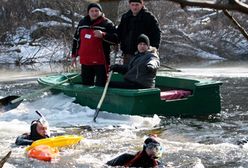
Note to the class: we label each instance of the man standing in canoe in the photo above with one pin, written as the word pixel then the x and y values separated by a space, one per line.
pixel 138 20
pixel 93 37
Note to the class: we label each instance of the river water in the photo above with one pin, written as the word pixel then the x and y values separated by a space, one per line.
pixel 187 142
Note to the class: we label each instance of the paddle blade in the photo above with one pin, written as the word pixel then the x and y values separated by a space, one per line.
pixel 4 159
pixel 96 114
pixel 6 105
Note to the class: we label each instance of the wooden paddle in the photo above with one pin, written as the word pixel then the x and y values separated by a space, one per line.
pixel 4 159
pixel 169 68
pixel 11 102
pixel 6 105
pixel 103 96
pixel 105 89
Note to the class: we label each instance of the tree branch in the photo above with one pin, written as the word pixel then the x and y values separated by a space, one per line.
pixel 233 5
pixel 241 29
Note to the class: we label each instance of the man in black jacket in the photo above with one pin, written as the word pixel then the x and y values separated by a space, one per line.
pixel 38 130
pixel 138 20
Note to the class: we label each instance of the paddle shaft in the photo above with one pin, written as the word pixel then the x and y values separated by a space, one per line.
pixel 4 159
pixel 42 90
pixel 173 69
pixel 169 70
pixel 103 96
pixel 104 91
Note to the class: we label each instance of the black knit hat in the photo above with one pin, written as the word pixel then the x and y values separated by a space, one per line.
pixel 140 1
pixel 151 140
pixel 34 135
pixel 143 38
pixel 94 5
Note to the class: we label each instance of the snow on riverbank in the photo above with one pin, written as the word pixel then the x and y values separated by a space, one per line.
pixel 21 49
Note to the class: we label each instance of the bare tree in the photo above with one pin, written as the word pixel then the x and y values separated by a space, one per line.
pixel 13 13
pixel 232 5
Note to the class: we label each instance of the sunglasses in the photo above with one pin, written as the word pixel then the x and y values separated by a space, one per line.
pixel 153 146
pixel 156 147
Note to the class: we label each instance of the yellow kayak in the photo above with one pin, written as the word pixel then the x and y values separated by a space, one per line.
pixel 59 141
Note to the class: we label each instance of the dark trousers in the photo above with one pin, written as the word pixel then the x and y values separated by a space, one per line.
pixel 93 75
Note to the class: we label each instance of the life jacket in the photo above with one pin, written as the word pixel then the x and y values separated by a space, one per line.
pixel 141 159
pixel 91 49
pixel 43 152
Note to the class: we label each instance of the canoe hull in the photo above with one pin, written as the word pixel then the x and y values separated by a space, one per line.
pixel 204 100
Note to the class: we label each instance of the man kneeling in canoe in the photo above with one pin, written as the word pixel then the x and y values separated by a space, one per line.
pixel 141 71
pixel 38 130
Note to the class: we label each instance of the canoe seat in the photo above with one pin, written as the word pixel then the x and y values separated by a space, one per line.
pixel 174 94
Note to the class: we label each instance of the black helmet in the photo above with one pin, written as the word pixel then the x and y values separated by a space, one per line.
pixel 34 135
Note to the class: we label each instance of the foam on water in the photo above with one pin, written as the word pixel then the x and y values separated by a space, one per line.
pixel 60 111
pixel 10 127
pixel 124 133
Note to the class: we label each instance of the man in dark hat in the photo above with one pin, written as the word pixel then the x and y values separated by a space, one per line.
pixel 141 71
pixel 92 40
pixel 148 157
pixel 138 20
pixel 94 5
pixel 38 130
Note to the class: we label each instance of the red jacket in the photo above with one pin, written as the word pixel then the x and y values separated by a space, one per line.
pixel 93 50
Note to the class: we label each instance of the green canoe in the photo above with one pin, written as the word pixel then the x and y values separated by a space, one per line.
pixel 202 98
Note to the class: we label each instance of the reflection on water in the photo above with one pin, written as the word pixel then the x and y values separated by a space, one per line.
pixel 10 72
pixel 187 142
pixel 210 69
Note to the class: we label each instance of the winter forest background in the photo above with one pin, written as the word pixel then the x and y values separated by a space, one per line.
pixel 42 30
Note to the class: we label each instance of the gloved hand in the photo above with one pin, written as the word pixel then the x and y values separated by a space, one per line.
pixel 150 68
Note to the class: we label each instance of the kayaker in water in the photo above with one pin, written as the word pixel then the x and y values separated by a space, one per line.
pixel 39 129
pixel 141 71
pixel 148 157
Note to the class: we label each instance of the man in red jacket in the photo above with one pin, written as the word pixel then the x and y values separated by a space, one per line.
pixel 93 37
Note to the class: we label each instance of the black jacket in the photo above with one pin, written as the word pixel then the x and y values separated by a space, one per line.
pixel 131 27
pixel 107 27
pixel 141 69
pixel 24 139
pixel 28 139
pixel 141 159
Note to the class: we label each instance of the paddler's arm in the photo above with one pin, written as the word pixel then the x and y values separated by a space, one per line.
pixel 119 68
pixel 120 160
pixel 23 140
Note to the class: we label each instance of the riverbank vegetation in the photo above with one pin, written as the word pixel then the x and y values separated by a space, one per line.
pixel 41 30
